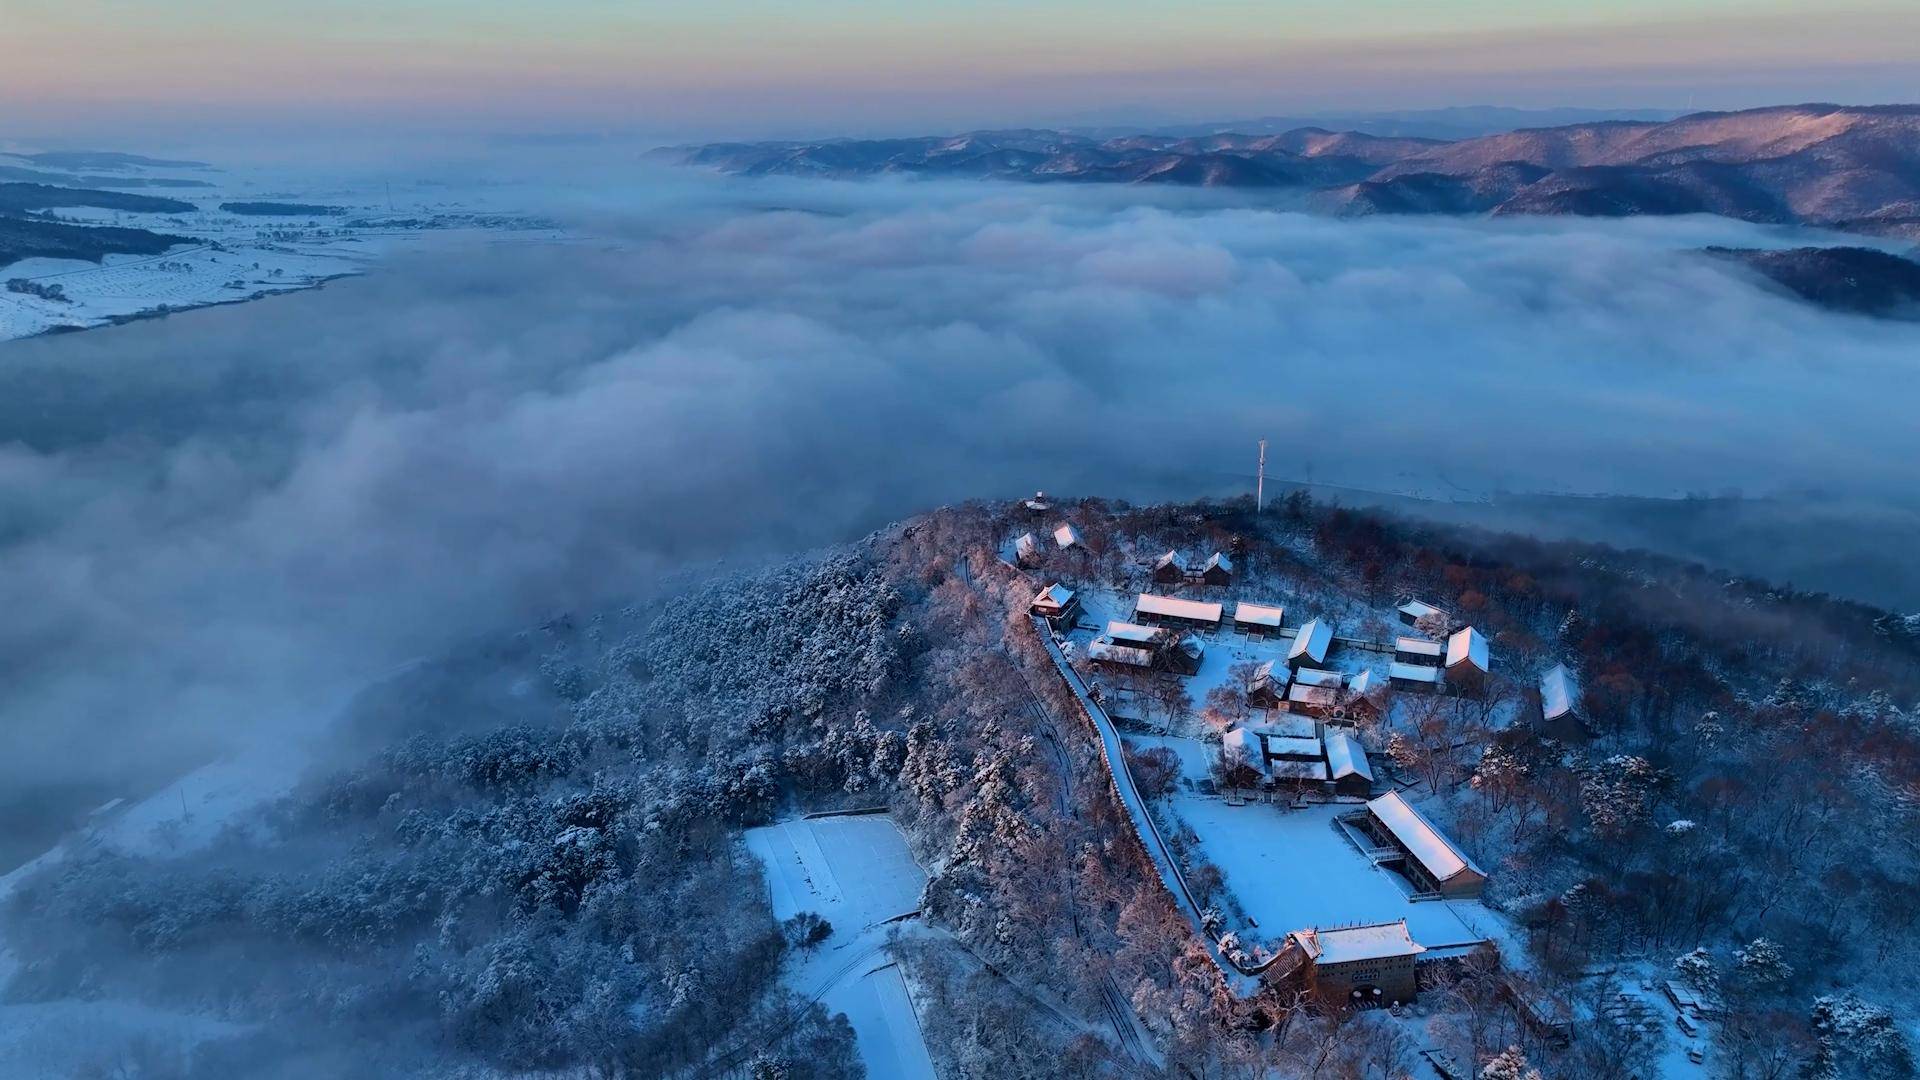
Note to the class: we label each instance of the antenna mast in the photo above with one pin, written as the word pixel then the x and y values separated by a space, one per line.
pixel 1260 481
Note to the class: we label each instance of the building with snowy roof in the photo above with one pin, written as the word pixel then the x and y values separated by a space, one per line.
pixel 1267 687
pixel 1313 700
pixel 1185 654
pixel 1038 504
pixel 1298 770
pixel 1134 634
pixel 1413 611
pixel 1560 705
pixel 1347 764
pixel 1026 549
pixel 1258 620
pixel 1468 658
pixel 1218 570
pixel 1287 726
pixel 1418 650
pixel 1310 645
pixel 1127 645
pixel 1369 964
pixel 1167 569
pixel 1363 697
pixel 1066 536
pixel 1057 604
pixel 1413 676
pixel 1172 611
pixel 1106 651
pixel 1430 860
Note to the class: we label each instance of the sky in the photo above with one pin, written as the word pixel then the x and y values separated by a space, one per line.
pixel 199 69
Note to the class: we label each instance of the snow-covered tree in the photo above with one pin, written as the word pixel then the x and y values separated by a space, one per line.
pixel 1509 1064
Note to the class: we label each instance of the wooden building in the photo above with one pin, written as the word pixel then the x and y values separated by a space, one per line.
pixel 1356 966
pixel 1314 692
pixel 1258 620
pixel 1418 650
pixel 1066 537
pixel 1413 611
pixel 1365 698
pixel 1347 765
pixel 1468 659
pixel 1267 688
pixel 1057 604
pixel 1560 706
pixel 1431 861
pixel 1184 654
pixel 1310 646
pixel 1172 611
pixel 1026 549
pixel 1218 570
pixel 1167 569
pixel 1413 676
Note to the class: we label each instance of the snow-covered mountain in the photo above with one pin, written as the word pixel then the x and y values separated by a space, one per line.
pixel 1848 167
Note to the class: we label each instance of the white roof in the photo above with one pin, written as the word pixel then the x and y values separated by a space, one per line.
pixel 1191 645
pixel 1258 614
pixel 1171 558
pixel 1066 535
pixel 1287 726
pixel 1352 944
pixel 1311 642
pixel 1326 696
pixel 1419 609
pixel 1101 649
pixel 1221 561
pixel 1026 544
pixel 1413 672
pixel 1363 683
pixel 1316 677
pixel 1267 672
pixel 1128 633
pixel 1168 607
pixel 1289 746
pixel 1242 740
pixel 1467 645
pixel 1419 836
pixel 1298 770
pixel 1558 692
pixel 1417 646
pixel 1346 757
pixel 1055 594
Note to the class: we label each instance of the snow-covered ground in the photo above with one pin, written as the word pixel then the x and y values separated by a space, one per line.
pixel 233 257
pixel 856 872
pixel 1293 869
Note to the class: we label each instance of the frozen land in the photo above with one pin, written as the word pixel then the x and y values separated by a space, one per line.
pixel 231 256
pixel 856 872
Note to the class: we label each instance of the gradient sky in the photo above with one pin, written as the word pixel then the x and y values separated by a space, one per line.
pixel 188 68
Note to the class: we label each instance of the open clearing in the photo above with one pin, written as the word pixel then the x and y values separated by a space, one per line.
pixel 856 872
pixel 1292 869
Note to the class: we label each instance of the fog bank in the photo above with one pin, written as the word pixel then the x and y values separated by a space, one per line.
pixel 212 524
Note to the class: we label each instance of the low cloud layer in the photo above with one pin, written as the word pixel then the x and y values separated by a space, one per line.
pixel 214 525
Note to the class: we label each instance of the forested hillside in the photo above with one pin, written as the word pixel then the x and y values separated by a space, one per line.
pixel 527 856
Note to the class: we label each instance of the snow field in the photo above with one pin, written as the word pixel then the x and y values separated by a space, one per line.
pixel 857 873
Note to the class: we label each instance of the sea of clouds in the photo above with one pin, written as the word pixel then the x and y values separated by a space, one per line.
pixel 212 524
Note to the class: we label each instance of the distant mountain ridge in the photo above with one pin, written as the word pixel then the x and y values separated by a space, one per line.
pixel 1848 167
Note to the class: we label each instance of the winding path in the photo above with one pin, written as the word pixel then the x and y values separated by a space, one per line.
pixel 1244 980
